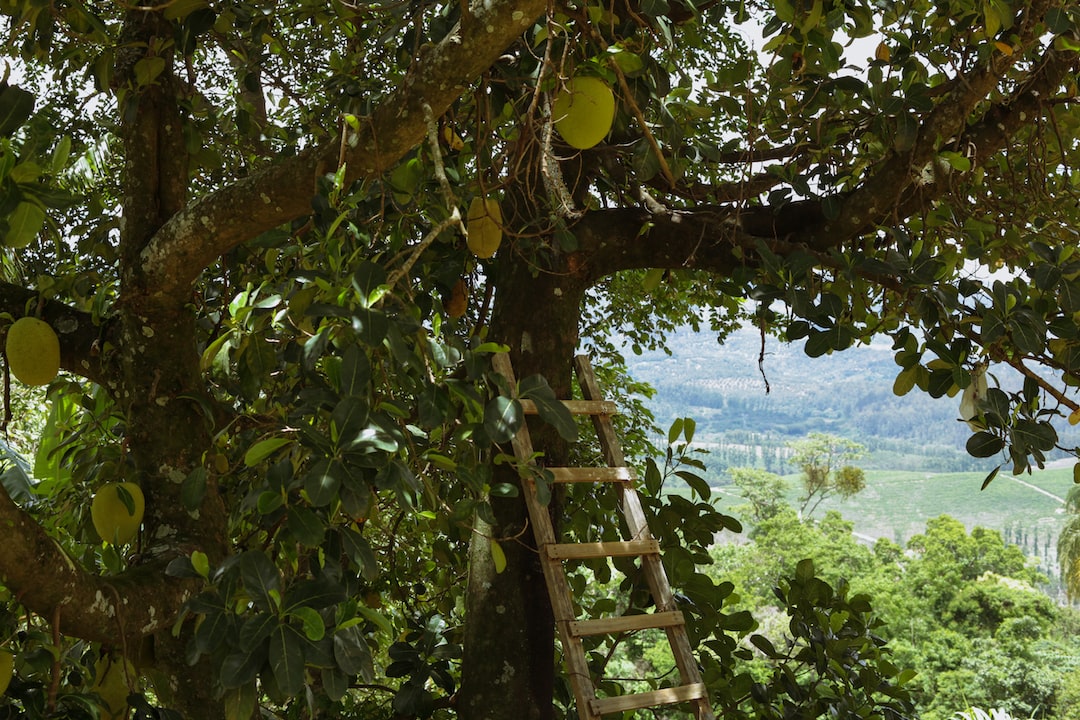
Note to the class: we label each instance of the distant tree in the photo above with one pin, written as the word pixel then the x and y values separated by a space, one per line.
pixel 763 491
pixel 1068 545
pixel 823 460
pixel 971 619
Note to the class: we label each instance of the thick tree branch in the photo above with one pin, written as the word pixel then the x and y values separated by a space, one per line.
pixel 222 220
pixel 716 239
pixel 46 579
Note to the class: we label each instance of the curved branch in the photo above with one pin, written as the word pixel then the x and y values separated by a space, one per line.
pixel 150 599
pixel 195 236
pixel 720 239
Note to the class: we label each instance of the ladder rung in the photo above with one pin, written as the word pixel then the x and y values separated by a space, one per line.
pixel 576 407
pixel 666 696
pixel 584 551
pixel 593 475
pixel 626 623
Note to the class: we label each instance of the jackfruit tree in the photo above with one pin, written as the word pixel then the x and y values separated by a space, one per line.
pixel 245 223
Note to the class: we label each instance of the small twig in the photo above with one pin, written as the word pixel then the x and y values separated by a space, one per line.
pixel 628 97
pixel 448 196
pixel 454 219
pixel 552 174
pixel 436 157
pixel 761 358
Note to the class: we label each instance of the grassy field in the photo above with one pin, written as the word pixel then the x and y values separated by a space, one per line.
pixel 896 505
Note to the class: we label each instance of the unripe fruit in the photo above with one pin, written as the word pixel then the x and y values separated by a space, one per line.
pixel 7 669
pixel 484 225
pixel 111 685
pixel 113 520
pixel 33 351
pixel 583 111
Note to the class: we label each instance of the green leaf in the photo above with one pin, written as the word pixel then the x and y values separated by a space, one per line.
pixel 907 131
pixel 630 63
pixel 255 630
pixel 370 326
pixel 1031 435
pixel 260 578
pixel 689 428
pixel 498 557
pixel 1028 332
pixel 306 526
pixel 990 478
pixel 335 682
pixel 652 279
pixel 317 593
pixel 348 420
pixel 180 9
pixel 764 644
pixel 322 482
pixel 502 418
pixel 24 224
pixel 240 702
pixel 148 69
pixel 286 658
pixel 696 483
pixel 984 444
pixel 368 281
pixel 355 373
pixel 819 342
pixel 211 631
pixel 201 563
pixel 193 489
pixel 905 381
pixel 352 653
pixel 956 160
pixel 264 449
pixel 412 700
pixel 675 430
pixel 311 621
pixel 240 668
pixel 550 409
pixel 16 107
pixel 359 550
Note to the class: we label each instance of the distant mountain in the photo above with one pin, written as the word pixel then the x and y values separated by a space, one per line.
pixel 745 414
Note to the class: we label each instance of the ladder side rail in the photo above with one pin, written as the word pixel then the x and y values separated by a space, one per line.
pixel 651 565
pixel 559 592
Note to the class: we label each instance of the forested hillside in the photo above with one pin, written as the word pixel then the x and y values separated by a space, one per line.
pixel 746 414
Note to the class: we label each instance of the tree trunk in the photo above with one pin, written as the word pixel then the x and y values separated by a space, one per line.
pixel 161 389
pixel 508 668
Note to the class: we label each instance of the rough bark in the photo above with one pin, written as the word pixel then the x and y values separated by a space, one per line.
pixel 509 630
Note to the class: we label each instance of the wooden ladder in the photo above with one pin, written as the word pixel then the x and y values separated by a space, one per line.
pixel 640 544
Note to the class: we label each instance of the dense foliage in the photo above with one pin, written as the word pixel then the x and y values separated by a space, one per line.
pixel 961 609
pixel 243 220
